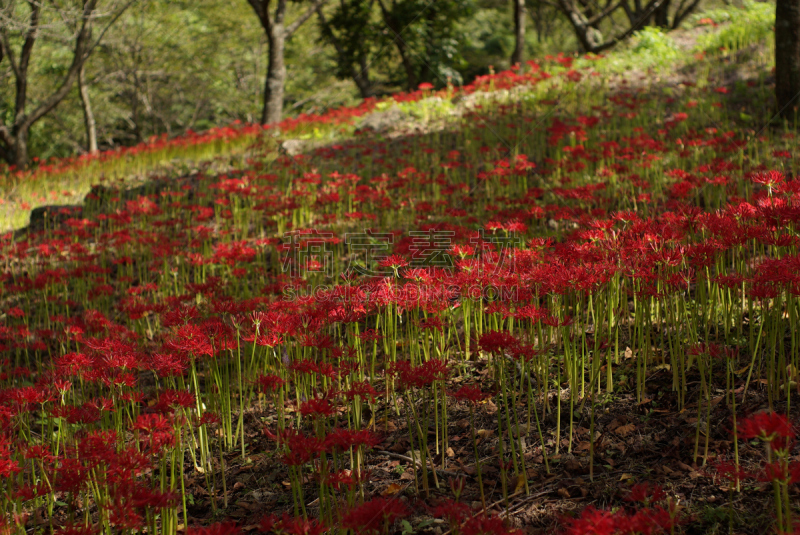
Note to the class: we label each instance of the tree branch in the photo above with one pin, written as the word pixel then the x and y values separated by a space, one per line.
pixel 603 14
pixel 680 15
pixel 261 7
pixel 77 61
pixel 5 136
pixel 293 27
pixel 111 23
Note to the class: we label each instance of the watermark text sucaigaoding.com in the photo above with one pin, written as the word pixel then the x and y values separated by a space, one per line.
pixel 367 253
pixel 408 293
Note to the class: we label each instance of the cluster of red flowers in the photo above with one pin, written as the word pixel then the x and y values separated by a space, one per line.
pixel 143 337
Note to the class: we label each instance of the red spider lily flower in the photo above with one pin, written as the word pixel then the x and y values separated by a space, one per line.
pixel 125 517
pixel 315 407
pixel 169 400
pixel 269 383
pixel 646 493
pixel 347 479
pixel 375 516
pixel 268 523
pixel 420 376
pixel 299 526
pixel 8 468
pixel 363 390
pixel 269 340
pixel 300 448
pixel 487 525
pixel 221 528
pixel 770 427
pixel 780 471
pixel 76 529
pixel 452 511
pixel 728 471
pixel 344 439
pixel 394 262
pixel 645 521
pixel 496 341
pixel 470 393
pixel 209 418
pixel 157 428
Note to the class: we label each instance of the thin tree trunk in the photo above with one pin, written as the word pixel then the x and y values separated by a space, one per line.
pixel 88 114
pixel 787 57
pixel 20 148
pixel 661 15
pixel 412 81
pixel 360 76
pixel 519 32
pixel 276 76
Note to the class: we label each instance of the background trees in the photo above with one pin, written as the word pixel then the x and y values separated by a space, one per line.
pixel 69 25
pixel 787 57
pixel 166 66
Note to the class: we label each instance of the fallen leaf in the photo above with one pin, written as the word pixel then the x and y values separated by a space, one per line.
pixel 484 433
pixel 626 477
pixel 564 493
pixel 392 489
pixel 520 484
pixel 683 466
pixel 625 430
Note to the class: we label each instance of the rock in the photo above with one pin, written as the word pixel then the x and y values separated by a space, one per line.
pixel 293 147
pixel 383 121
pixel 53 214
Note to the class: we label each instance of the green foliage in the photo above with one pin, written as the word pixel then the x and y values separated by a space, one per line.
pixel 745 26
pixel 655 42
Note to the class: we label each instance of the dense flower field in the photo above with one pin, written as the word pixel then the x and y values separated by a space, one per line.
pixel 470 303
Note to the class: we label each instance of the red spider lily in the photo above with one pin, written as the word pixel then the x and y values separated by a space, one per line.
pixel 497 341
pixel 124 516
pixel 316 407
pixel 645 521
pixel 8 468
pixel 452 511
pixel 221 528
pixel 780 471
pixel 269 383
pixel 771 427
pixel 347 479
pixel 76 529
pixel 728 471
pixel 291 526
pixel 394 261
pixel 646 493
pixel 157 429
pixel 420 376
pixel 344 439
pixel 169 400
pixel 487 525
pixel 300 448
pixel 375 516
pixel 363 390
pixel 209 418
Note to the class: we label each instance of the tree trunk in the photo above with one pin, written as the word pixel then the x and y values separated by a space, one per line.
pixel 661 15
pixel 276 76
pixel 88 114
pixel 361 78
pixel 519 32
pixel 787 57
pixel 20 148
pixel 412 81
